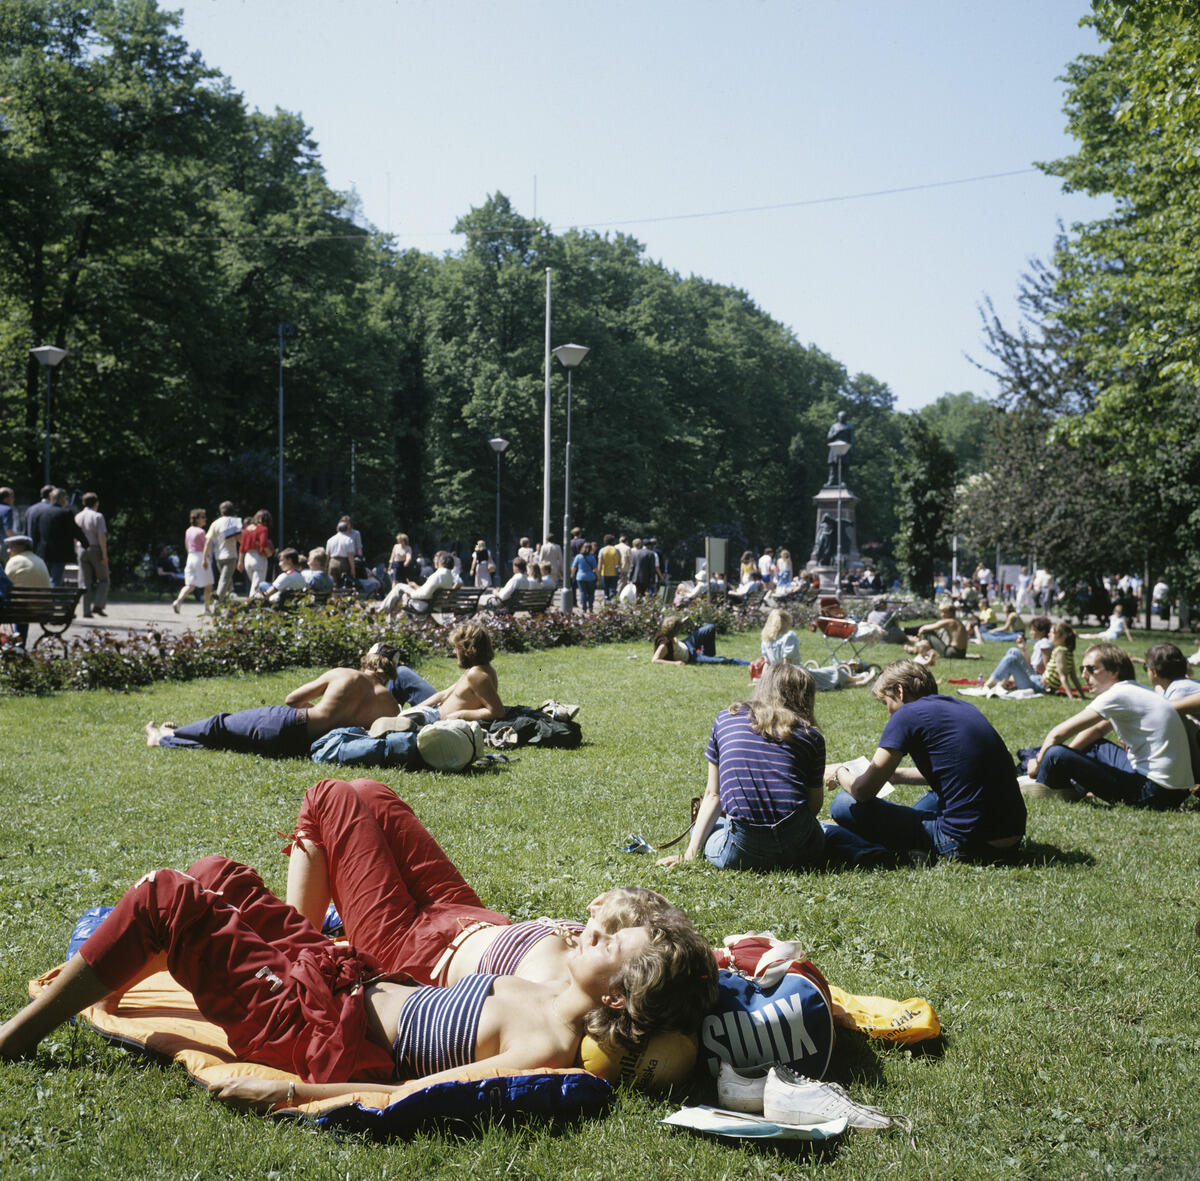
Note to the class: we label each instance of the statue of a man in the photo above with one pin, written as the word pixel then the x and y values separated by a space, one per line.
pixel 840 432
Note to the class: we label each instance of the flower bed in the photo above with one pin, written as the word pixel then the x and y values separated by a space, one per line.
pixel 251 638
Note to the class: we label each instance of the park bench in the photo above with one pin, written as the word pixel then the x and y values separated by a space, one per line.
pixel 456 600
pixel 534 601
pixel 52 608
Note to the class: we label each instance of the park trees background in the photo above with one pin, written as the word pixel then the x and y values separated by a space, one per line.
pixel 173 240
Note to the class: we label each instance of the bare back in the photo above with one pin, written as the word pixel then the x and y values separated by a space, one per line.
pixel 347 697
pixel 475 696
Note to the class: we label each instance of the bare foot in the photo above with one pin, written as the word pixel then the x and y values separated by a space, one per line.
pixel 155 732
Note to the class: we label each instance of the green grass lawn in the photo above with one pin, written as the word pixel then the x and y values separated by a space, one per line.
pixel 1066 985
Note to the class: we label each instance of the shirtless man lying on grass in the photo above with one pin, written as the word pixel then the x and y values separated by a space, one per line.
pixel 340 697
pixel 474 697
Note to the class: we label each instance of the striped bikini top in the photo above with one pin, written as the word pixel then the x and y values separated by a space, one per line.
pixel 438 1027
pixel 503 957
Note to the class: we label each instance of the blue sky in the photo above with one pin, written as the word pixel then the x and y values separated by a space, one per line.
pixel 676 121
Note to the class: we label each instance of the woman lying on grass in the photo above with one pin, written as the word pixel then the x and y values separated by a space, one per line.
pixel 289 999
pixel 404 902
pixel 699 647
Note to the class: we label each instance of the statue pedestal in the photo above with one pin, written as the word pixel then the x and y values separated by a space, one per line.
pixel 839 504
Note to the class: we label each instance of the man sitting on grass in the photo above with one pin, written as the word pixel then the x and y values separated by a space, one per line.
pixel 1152 768
pixel 340 697
pixel 974 807
pixel 474 697
pixel 947 636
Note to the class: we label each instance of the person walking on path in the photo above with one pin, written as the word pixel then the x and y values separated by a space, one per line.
pixel 93 558
pixel 197 573
pixel 223 535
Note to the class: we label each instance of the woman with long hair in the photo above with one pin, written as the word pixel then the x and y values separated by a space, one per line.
pixel 698 647
pixel 766 765
pixel 255 549
pixel 483 568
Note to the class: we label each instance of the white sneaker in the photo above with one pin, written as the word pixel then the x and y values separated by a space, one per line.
pixel 741 1092
pixel 790 1098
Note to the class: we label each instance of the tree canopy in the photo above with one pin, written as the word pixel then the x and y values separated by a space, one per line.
pixel 191 256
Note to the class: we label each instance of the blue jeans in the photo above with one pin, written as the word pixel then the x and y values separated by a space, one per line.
pixel 57 571
pixel 1013 664
pixel 410 688
pixel 1105 770
pixel 870 828
pixel 587 593
pixel 273 731
pixel 993 636
pixel 702 644
pixel 795 842
pixel 610 586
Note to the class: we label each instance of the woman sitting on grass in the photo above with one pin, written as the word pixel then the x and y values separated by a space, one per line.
pixel 766 762
pixel 288 999
pixel 698 647
pixel 780 644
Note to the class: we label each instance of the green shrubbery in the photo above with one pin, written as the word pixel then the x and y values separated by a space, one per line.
pixel 252 638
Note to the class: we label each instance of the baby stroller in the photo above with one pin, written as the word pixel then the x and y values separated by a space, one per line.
pixel 841 631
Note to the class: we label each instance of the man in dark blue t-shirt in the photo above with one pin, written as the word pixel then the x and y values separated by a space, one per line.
pixel 974 806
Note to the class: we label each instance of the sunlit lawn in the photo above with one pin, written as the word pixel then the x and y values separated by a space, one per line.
pixel 1066 985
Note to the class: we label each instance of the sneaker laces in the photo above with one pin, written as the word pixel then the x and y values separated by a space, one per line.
pixel 838 1103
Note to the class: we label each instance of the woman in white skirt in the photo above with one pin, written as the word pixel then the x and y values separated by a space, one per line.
pixel 198 571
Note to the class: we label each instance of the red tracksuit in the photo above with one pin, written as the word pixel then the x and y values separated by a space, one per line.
pixel 283 994
pixel 400 897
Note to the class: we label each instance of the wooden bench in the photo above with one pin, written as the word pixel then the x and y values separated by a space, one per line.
pixel 534 601
pixel 455 600
pixel 51 607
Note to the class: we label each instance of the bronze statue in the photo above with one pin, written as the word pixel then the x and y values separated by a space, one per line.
pixel 840 432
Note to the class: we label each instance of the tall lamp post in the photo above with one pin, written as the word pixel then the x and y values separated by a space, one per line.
pixel 499 446
pixel 839 447
pixel 48 357
pixel 569 356
pixel 286 332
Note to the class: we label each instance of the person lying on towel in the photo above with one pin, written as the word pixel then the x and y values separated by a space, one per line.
pixel 289 999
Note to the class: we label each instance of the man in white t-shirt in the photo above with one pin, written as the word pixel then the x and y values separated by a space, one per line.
pixel 1153 769
pixel 223 535
pixel 341 550
pixel 416 598
pixel 518 581
pixel 289 577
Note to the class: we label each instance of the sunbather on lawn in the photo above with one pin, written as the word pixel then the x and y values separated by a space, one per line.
pixel 340 697
pixel 288 999
pixel 404 901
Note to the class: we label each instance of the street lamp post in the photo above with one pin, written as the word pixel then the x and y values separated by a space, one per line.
pixel 839 447
pixel 499 446
pixel 569 356
pixel 48 357
pixel 286 332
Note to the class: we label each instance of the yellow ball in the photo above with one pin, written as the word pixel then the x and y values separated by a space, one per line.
pixel 666 1059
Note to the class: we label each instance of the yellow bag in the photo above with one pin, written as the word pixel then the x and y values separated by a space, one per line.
pixel 903 1022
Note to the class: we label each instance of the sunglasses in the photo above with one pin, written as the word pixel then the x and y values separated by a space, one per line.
pixel 1088 669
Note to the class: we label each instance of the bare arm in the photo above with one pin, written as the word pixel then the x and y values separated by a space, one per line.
pixel 1066 675
pixel 1086 718
pixel 1091 735
pixel 660 657
pixel 706 819
pixel 309 693
pixel 884 766
pixel 1187 705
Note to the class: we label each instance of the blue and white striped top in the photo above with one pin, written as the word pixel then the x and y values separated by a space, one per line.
pixel 503 957
pixel 438 1027
pixel 762 782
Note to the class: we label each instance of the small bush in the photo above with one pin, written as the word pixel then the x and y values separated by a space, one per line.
pixel 247 637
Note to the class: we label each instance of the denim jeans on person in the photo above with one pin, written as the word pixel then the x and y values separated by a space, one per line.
pixel 1014 664
pixel 867 829
pixel 703 645
pixel 1104 770
pixel 794 842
